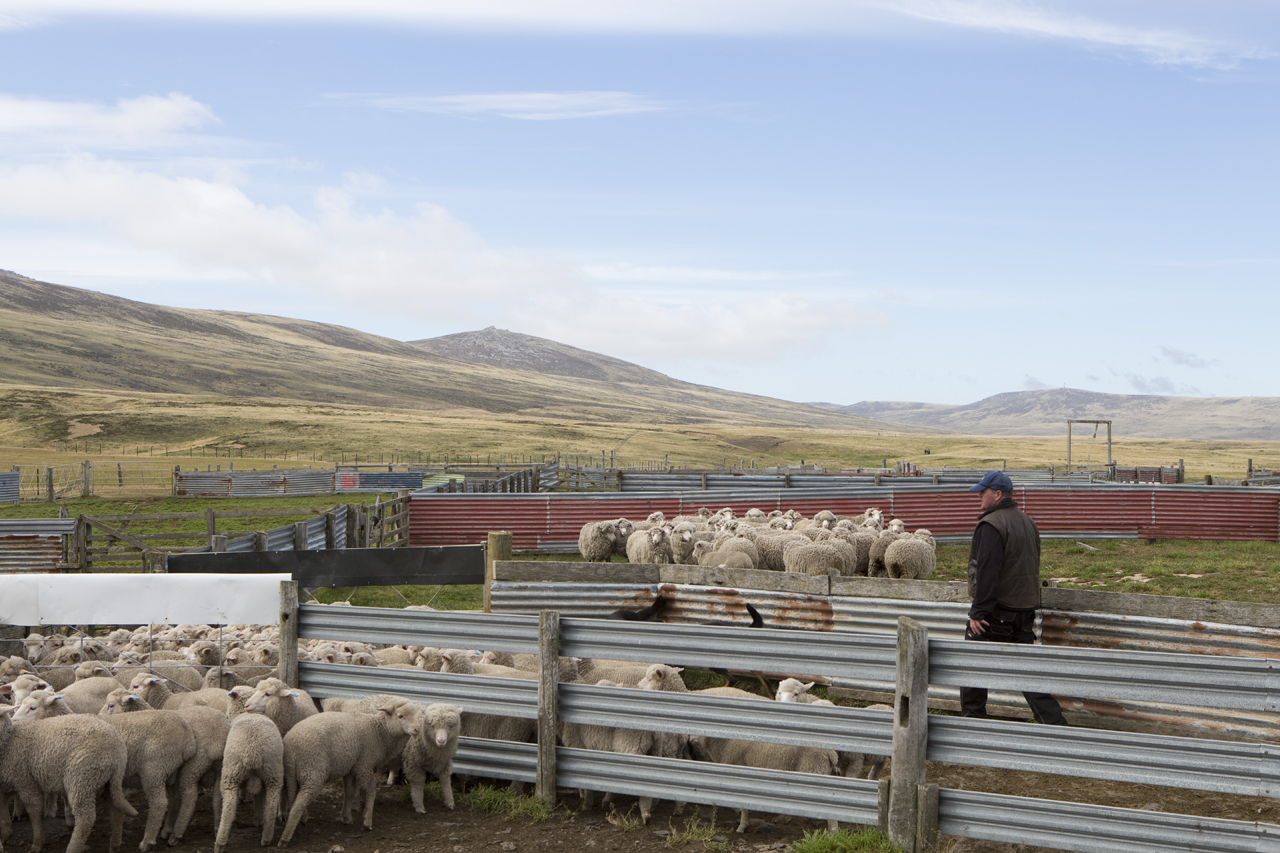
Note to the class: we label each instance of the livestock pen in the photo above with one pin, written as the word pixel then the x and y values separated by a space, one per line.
pixel 912 661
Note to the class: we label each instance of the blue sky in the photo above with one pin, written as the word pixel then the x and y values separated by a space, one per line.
pixel 818 200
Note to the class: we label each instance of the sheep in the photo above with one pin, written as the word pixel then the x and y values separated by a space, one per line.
pixel 650 546
pixel 816 558
pixel 352 747
pixel 608 739
pixel 40 704
pixel 158 743
pixel 74 755
pixel 707 555
pixel 911 557
pixel 568 666
pixel 181 676
pixel 597 540
pixel 221 679
pixel 851 764
pixel 23 686
pixel 13 666
pixel 772 756
pixel 772 547
pixel 744 545
pixel 397 654
pixel 624 529
pixel 254 753
pixel 875 556
pixel 284 705
pixel 683 540
pixel 430 753
pixel 86 696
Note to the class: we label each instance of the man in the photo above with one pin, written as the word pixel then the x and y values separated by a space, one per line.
pixel 1004 582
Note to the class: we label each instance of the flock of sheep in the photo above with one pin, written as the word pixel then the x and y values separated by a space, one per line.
pixel 826 544
pixel 171 710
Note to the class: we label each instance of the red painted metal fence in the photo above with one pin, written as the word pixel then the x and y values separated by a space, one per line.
pixel 552 521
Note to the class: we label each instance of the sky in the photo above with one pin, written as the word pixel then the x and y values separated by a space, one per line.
pixel 814 200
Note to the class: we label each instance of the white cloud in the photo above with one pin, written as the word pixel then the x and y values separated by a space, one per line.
pixel 531 106
pixel 193 231
pixel 1155 42
pixel 1183 358
pixel 626 272
pixel 147 123
pixel 1030 383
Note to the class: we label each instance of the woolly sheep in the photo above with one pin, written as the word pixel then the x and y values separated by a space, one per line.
pixel 40 704
pixel 912 557
pixel 624 529
pixel 325 747
pixel 684 536
pixel 284 705
pixel 875 556
pixel 75 755
pixel 850 764
pixel 707 555
pixel 649 546
pixel 429 754
pixel 816 558
pixel 608 739
pixel 158 744
pixel 773 546
pixel 87 696
pixel 254 753
pixel 596 541
pixel 744 545
pixel 23 686
pixel 771 756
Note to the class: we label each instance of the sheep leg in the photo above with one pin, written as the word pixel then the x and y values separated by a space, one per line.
pixel 446 787
pixel 230 802
pixel 86 812
pixel 416 779
pixel 369 782
pixel 157 807
pixel 216 793
pixel 188 789
pixel 742 821
pixel 117 829
pixel 302 798
pixel 348 796
pixel 270 810
pixel 6 824
pixel 33 799
pixel 646 809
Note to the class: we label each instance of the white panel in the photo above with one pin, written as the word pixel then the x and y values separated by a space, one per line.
pixel 129 599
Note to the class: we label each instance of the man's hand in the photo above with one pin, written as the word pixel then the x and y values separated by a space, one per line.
pixel 977 628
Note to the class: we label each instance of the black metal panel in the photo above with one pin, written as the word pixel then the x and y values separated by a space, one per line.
pixel 448 564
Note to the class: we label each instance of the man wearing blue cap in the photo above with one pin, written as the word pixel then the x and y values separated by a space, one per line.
pixel 1004 582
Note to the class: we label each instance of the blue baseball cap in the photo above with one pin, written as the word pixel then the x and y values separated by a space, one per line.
pixel 997 480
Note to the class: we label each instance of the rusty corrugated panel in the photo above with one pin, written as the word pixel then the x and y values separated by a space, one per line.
pixel 1105 510
pixel 1208 514
pixel 1142 633
pixel 29 552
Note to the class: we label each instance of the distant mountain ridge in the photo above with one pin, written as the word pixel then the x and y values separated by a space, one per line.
pixel 1047 412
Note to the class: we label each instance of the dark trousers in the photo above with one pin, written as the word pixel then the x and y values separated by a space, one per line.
pixel 1007 626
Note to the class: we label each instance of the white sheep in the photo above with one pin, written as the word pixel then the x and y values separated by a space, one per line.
pixel 815 558
pixel 707 555
pixel 329 746
pixel 430 753
pixel 649 546
pixel 284 705
pixel 684 536
pixel 86 696
pixel 158 743
pixel 608 739
pixel 911 557
pixel 875 556
pixel 851 764
pixel 771 756
pixel 596 541
pixel 74 755
pixel 253 755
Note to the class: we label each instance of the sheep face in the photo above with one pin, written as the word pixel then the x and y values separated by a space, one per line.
pixel 792 689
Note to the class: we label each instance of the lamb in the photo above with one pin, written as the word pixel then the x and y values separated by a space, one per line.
pixel 683 539
pixel 816 558
pixel 625 528
pixel 40 704
pixel 352 747
pixel 568 666
pixel 158 744
pixel 773 546
pixel 86 696
pixel 851 764
pixel 649 546
pixel 430 753
pixel 74 755
pixel 254 754
pixel 744 545
pixel 912 557
pixel 875 557
pixel 13 666
pixel 772 756
pixel 597 540
pixel 23 686
pixel 284 705
pixel 608 739
pixel 707 555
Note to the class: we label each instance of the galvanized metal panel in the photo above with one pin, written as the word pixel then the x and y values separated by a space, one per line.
pixel 1204 765
pixel 772 791
pixel 37 526
pixel 452 629
pixel 10 487
pixel 316 533
pixel 481 694
pixel 1095 829
pixel 245 484
pixel 280 538
pixel 241 544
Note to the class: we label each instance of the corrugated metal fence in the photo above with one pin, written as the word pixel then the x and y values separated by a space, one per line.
pixel 552 522
pixel 33 544
pixel 10 489
pixel 249 484
pixel 1221 766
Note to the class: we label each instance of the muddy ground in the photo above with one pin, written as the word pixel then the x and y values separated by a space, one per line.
pixel 398 829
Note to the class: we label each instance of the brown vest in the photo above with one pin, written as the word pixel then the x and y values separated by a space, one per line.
pixel 1020 580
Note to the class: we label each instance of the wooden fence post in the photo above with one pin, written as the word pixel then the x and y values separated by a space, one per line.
pixel 155 563
pixel 260 542
pixel 330 531
pixel 910 732
pixel 498 547
pixel 926 818
pixel 289 632
pixel 548 702
pixel 217 543
pixel 86 479
pixel 300 536
pixel 48 474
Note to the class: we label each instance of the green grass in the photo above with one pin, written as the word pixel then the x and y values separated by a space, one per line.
pixel 503 801
pixel 845 841
pixel 696 830
pixel 1226 571
pixel 469 597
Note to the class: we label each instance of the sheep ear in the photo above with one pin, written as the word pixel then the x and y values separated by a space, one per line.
pixel 294 694
pixel 457 709
pixel 809 686
pixel 6 688
pixel 677 669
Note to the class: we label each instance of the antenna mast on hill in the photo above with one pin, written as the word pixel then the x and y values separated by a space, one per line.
pixel 1095 433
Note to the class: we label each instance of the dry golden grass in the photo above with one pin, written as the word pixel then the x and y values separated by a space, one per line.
pixel 184 429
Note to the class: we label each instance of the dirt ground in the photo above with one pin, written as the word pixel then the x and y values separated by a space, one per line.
pixel 398 829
